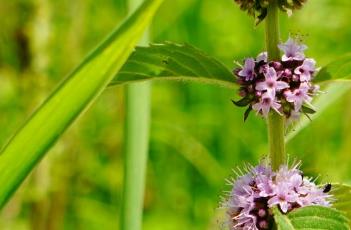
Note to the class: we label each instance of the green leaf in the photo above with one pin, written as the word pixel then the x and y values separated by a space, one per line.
pixel 342 195
pixel 282 221
pixel 340 69
pixel 69 100
pixel 170 61
pixel 311 218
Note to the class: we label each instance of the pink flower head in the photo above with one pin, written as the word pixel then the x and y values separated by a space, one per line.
pixel 260 189
pixel 283 85
pixel 306 70
pixel 298 96
pixel 266 103
pixel 248 72
pixel 271 84
pixel 292 50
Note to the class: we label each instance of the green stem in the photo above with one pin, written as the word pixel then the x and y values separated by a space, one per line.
pixel 136 147
pixel 276 129
pixel 137 137
pixel 276 122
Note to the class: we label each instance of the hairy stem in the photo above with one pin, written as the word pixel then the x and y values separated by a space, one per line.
pixel 136 147
pixel 276 122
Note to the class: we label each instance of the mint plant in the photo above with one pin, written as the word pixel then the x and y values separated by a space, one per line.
pixel 278 84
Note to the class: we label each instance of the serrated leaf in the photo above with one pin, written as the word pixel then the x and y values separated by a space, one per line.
pixel 171 61
pixel 311 218
pixel 342 195
pixel 69 100
pixel 340 69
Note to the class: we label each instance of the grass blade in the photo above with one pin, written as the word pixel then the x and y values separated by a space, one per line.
pixel 69 100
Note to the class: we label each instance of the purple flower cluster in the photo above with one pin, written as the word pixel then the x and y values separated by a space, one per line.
pixel 254 193
pixel 284 86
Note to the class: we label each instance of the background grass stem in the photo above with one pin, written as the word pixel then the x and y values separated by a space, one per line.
pixel 136 147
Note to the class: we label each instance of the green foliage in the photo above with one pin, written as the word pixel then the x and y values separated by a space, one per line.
pixel 331 93
pixel 335 73
pixel 342 195
pixel 69 100
pixel 309 218
pixel 173 61
pixel 340 69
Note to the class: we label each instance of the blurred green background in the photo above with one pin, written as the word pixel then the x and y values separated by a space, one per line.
pixel 197 135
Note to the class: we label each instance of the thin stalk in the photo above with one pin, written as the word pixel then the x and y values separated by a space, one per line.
pixel 276 122
pixel 136 148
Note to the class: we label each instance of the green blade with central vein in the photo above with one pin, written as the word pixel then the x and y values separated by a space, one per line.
pixel 69 100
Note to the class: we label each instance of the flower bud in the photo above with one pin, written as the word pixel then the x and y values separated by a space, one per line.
pixel 291 4
pixel 258 8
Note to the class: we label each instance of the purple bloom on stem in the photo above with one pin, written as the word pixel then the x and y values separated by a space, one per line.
pixel 292 50
pixel 266 103
pixel 283 85
pixel 271 84
pixel 248 72
pixel 306 70
pixel 298 96
pixel 260 189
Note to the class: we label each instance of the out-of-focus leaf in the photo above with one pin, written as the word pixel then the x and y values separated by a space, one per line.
pixel 337 72
pixel 311 218
pixel 69 100
pixel 342 195
pixel 340 69
pixel 170 61
pixel 332 92
pixel 191 149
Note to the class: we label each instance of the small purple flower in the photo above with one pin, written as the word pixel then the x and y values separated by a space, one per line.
pixel 265 185
pixel 292 50
pixel 271 84
pixel 262 57
pixel 245 222
pixel 306 70
pixel 248 72
pixel 298 96
pixel 266 103
pixel 284 197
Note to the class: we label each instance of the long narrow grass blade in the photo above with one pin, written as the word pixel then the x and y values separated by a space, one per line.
pixel 69 100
